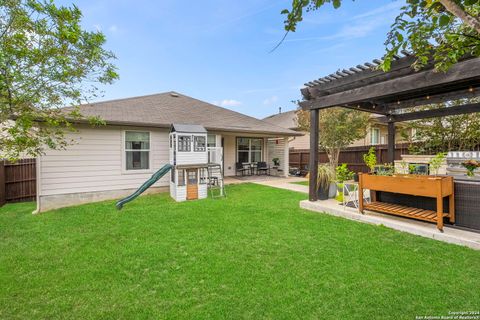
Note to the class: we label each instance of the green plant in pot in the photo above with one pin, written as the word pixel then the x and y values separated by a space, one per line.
pixel 436 162
pixel 370 159
pixel 324 178
pixel 276 162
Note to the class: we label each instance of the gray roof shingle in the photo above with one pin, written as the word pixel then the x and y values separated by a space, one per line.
pixel 164 109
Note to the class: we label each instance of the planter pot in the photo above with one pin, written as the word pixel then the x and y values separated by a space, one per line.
pixel 332 192
pixel 355 177
pixel 322 193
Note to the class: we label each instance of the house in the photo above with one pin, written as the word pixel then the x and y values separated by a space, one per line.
pixel 112 161
pixel 377 131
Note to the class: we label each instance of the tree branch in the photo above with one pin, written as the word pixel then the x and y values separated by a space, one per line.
pixel 456 10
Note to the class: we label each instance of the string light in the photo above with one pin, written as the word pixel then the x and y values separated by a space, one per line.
pixel 470 89
pixel 428 97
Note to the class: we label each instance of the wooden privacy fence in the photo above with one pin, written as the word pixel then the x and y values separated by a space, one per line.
pixel 17 181
pixel 352 156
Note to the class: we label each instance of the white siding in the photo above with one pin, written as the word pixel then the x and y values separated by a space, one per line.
pixel 276 149
pixel 202 191
pixel 95 161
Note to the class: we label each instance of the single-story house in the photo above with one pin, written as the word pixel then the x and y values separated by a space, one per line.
pixel 377 131
pixel 112 161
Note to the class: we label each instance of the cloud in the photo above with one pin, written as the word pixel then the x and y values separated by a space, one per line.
pixel 270 100
pixel 227 103
pixel 113 28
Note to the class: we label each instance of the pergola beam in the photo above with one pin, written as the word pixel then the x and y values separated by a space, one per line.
pixel 435 113
pixel 414 84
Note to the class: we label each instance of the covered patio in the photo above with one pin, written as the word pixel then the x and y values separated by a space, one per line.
pixel 390 94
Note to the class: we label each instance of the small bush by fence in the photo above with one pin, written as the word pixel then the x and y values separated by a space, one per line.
pixel 18 181
pixel 352 156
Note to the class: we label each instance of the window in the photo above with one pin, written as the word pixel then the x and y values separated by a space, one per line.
pixel 181 177
pixel 374 136
pixel 211 141
pixel 203 175
pixel 249 150
pixel 137 150
pixel 184 143
pixel 199 144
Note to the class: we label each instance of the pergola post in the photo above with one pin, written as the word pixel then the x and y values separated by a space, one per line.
pixel 391 142
pixel 313 161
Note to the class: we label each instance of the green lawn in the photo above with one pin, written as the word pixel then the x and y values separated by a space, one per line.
pixel 252 255
pixel 303 183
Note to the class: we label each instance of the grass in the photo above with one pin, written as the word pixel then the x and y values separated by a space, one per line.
pixel 252 255
pixel 303 183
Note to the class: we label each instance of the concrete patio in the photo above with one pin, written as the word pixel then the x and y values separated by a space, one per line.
pixel 424 229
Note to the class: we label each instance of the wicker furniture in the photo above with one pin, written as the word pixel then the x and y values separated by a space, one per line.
pixel 425 186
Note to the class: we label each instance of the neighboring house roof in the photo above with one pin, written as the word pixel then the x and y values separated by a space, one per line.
pixel 289 119
pixel 163 109
pixel 284 119
pixel 188 128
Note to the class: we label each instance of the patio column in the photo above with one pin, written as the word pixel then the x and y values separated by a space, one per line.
pixel 391 142
pixel 286 158
pixel 313 161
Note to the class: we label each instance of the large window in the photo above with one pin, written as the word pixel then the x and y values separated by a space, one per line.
pixel 249 150
pixel 199 144
pixel 211 141
pixel 184 143
pixel 375 136
pixel 137 150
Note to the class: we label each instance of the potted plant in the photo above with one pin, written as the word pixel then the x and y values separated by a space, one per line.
pixel 471 165
pixel 324 178
pixel 370 159
pixel 436 162
pixel 276 162
pixel 343 174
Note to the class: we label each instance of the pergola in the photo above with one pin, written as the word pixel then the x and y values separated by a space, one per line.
pixel 369 89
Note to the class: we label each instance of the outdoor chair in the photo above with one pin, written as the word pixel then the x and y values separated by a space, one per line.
pixel 240 168
pixel 263 167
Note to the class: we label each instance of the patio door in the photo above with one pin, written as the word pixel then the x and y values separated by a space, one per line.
pixel 192 184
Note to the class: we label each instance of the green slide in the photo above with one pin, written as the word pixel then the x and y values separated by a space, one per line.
pixel 154 178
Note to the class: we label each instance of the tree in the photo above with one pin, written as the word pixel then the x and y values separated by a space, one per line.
pixel 338 128
pixel 460 132
pixel 46 62
pixel 443 29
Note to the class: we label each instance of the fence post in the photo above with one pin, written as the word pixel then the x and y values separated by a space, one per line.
pixel 2 183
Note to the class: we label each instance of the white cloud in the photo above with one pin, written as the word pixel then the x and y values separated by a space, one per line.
pixel 270 100
pixel 113 28
pixel 227 103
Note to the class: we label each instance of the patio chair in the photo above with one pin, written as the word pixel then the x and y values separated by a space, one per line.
pixel 263 167
pixel 240 168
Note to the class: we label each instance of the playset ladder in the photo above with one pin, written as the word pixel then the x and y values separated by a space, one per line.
pixel 215 181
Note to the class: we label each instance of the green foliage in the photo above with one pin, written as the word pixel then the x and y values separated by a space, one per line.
pixel 370 158
pixel 325 176
pixel 343 173
pixel 255 254
pixel 426 28
pixel 437 161
pixel 339 127
pixel 443 134
pixel 276 161
pixel 384 169
pixel 47 61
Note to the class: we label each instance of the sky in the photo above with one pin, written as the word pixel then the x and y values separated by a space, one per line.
pixel 219 51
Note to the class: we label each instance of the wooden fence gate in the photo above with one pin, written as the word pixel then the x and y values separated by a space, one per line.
pixel 352 156
pixel 18 181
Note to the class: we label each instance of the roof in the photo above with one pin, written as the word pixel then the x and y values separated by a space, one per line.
pixel 189 128
pixel 288 119
pixel 284 119
pixel 163 109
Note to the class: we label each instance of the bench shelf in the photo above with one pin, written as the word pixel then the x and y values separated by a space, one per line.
pixel 425 186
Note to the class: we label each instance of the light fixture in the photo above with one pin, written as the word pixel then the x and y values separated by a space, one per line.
pixel 470 89
pixel 428 97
